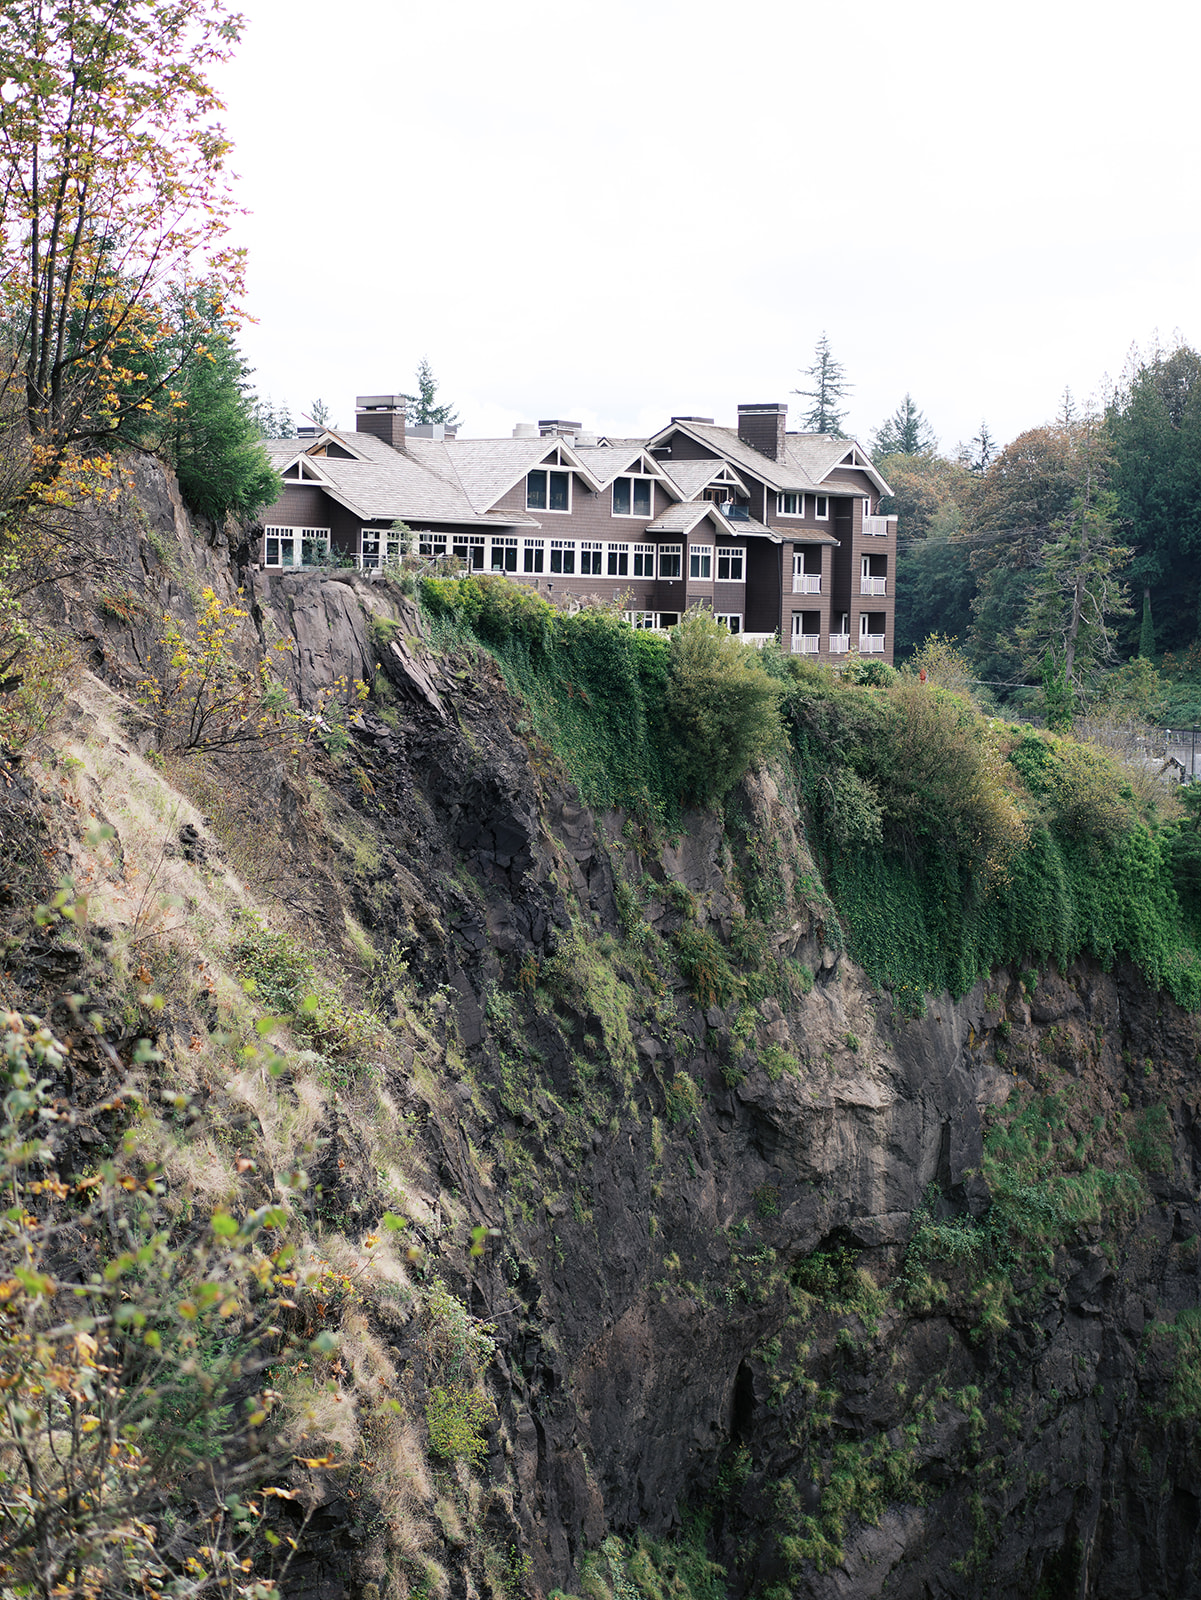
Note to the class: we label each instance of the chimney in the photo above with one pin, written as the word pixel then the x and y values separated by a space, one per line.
pixel 524 430
pixel 383 416
pixel 762 427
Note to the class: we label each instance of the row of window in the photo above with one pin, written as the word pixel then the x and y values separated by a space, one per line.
pixel 547 490
pixel 586 558
pixel 294 547
pixel 670 619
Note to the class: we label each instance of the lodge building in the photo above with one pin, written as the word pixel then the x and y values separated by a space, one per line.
pixel 774 532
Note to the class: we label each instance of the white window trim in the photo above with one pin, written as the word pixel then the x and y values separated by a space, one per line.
pixel 820 500
pixel 698 552
pixel 640 552
pixel 669 550
pixel 503 542
pixel 728 617
pixel 282 531
pixel 389 549
pixel 587 548
pixel 613 558
pixel 651 621
pixel 562 546
pixel 535 550
pixel 731 552
pixel 547 510
pixel 629 477
pixel 780 511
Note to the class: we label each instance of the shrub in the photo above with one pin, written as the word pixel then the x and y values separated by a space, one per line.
pixel 683 1099
pixel 456 1418
pixel 706 969
pixel 723 706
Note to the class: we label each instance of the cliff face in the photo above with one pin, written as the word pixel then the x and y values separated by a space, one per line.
pixel 896 1303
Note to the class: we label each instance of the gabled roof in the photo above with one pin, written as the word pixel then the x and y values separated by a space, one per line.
pixel 820 454
pixel 609 461
pixel 684 516
pixel 691 477
pixel 808 457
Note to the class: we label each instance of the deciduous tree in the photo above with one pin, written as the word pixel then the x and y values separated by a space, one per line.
pixel 112 187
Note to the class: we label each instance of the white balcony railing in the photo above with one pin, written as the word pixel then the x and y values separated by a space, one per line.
pixel 871 644
pixel 875 527
pixel 840 643
pixel 806 583
pixel 806 644
pixel 873 586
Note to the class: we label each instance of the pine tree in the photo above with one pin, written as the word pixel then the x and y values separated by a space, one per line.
pixel 425 401
pixel 905 433
pixel 829 387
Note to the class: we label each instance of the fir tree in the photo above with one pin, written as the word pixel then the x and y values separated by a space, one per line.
pixel 215 439
pixel 425 402
pixel 905 433
pixel 829 386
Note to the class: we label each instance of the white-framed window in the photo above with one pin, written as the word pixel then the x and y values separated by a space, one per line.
pixel 294 547
pixel 729 565
pixel 592 556
pixel 790 505
pixel 377 547
pixel 431 544
pixel 618 562
pixel 562 556
pixel 821 507
pixel 547 490
pixel 533 555
pixel 632 497
pixel 504 553
pixel 652 619
pixel 867 509
pixel 732 620
pixel 469 547
pixel 700 561
pixel 671 560
pixel 644 561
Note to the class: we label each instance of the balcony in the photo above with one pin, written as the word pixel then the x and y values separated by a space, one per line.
pixel 806 583
pixel 876 527
pixel 871 644
pixel 840 644
pixel 873 586
pixel 806 644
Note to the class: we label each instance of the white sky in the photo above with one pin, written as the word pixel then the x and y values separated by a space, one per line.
pixel 621 211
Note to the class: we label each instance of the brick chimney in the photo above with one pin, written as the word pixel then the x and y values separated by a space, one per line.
pixel 383 416
pixel 762 427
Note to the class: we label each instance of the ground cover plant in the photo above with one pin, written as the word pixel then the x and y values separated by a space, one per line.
pixel 640 721
pixel 954 842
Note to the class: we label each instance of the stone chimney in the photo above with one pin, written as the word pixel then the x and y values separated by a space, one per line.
pixel 383 416
pixel 762 427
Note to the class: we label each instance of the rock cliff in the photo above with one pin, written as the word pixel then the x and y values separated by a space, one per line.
pixel 746 1271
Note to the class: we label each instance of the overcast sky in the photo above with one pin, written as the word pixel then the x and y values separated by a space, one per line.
pixel 617 212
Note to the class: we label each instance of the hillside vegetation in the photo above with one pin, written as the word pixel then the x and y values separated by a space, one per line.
pixel 952 841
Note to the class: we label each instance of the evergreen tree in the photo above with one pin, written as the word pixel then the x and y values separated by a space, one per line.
pixel 214 441
pixel 272 421
pixel 905 433
pixel 1078 592
pixel 829 387
pixel 321 414
pixel 425 401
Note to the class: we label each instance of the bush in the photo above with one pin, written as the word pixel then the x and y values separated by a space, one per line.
pixel 456 1418
pixel 723 706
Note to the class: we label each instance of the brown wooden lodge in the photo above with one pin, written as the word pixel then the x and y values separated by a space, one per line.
pixel 775 532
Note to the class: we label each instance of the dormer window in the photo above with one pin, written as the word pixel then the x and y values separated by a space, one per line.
pixel 548 491
pixel 632 497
